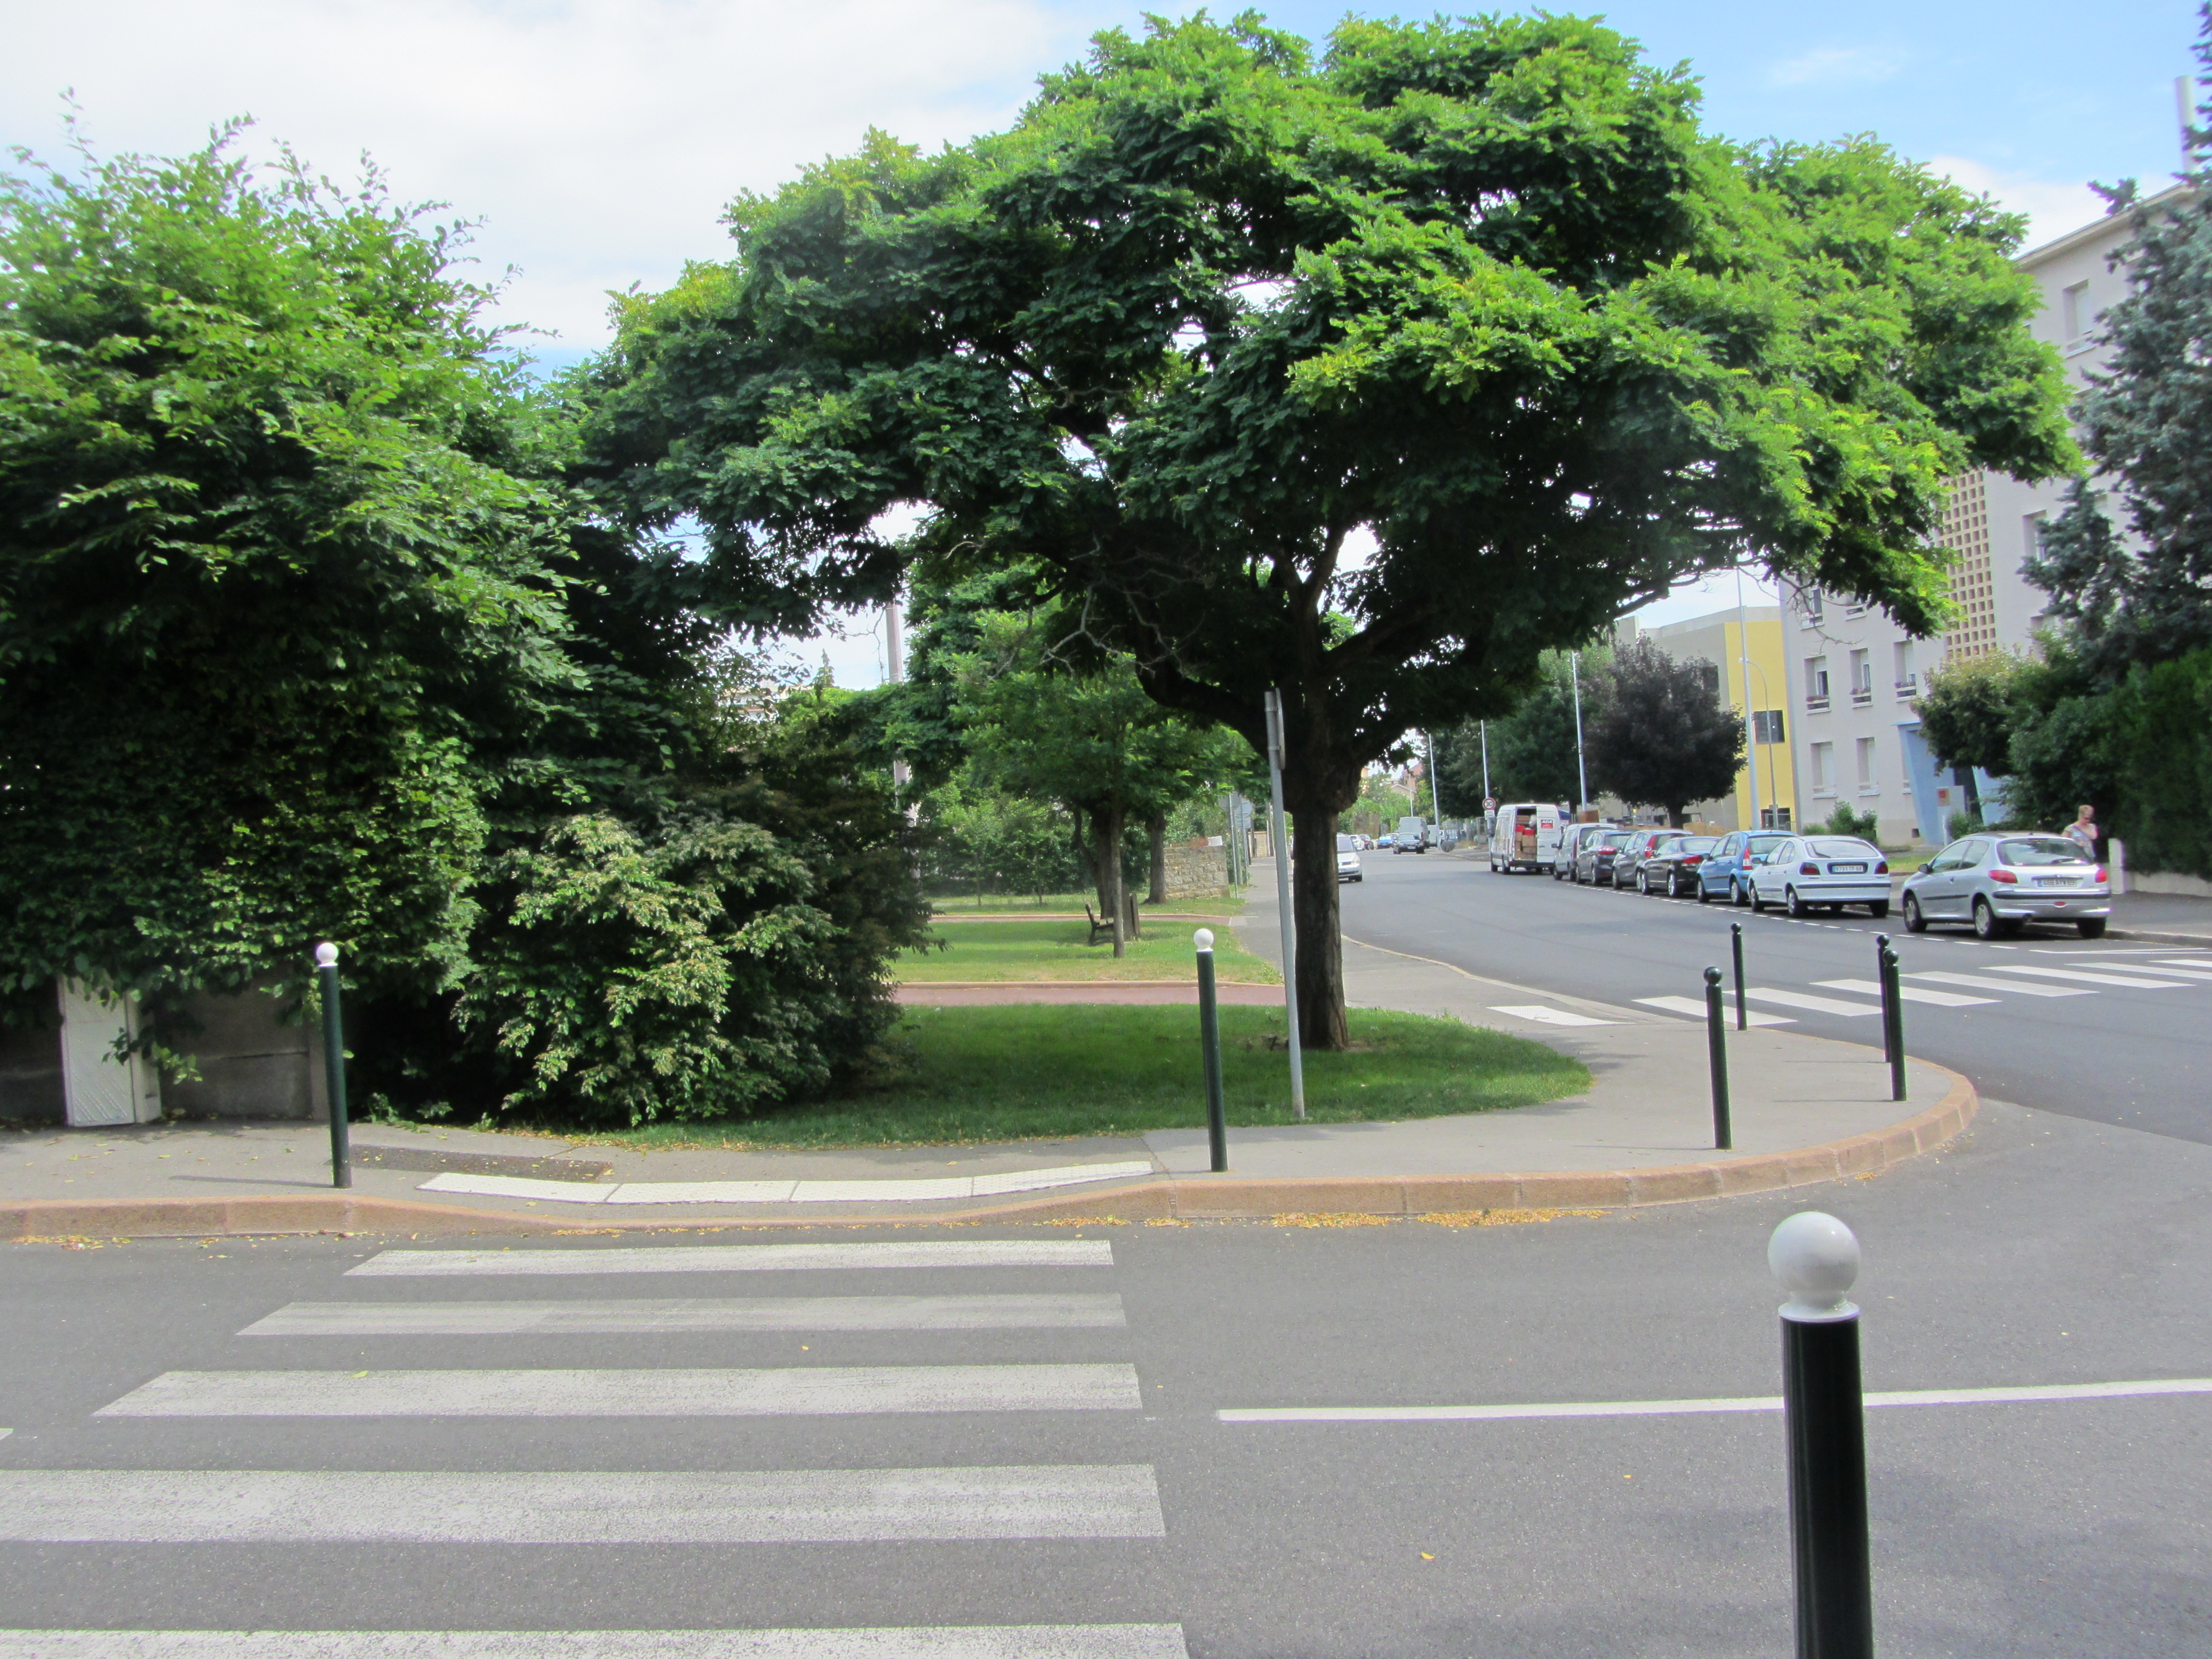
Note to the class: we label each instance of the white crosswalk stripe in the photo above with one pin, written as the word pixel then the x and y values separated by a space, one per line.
pixel 2080 976
pixel 1811 1003
pixel 1696 1010
pixel 1910 993
pixel 2015 987
pixel 1079 1310
pixel 752 1506
pixel 948 1642
pixel 743 1258
pixel 799 1391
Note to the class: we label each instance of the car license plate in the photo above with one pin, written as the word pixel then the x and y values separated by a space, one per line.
pixel 2058 881
pixel 1847 869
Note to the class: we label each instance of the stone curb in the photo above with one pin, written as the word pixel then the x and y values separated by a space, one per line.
pixel 1182 1198
pixel 2188 941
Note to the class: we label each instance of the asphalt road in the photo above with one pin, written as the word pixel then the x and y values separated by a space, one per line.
pixel 2137 1055
pixel 2042 1250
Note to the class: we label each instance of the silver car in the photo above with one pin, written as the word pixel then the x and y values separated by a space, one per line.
pixel 1809 872
pixel 1999 882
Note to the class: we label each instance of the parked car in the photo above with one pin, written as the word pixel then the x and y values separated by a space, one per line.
pixel 1572 840
pixel 1727 869
pixel 1594 860
pixel 1525 835
pixel 1674 865
pixel 2000 882
pixel 1382 842
pixel 1348 859
pixel 1635 850
pixel 1810 873
pixel 1412 836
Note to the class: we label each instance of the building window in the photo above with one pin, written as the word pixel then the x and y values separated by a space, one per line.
pixel 1901 662
pixel 1862 677
pixel 1813 604
pixel 2032 528
pixel 1822 755
pixel 1766 726
pixel 1867 785
pixel 1816 682
pixel 2074 312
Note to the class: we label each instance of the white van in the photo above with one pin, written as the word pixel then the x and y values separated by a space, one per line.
pixel 1525 835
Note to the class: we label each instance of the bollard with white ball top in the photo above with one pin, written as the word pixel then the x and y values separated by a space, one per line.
pixel 326 974
pixel 1816 1258
pixel 1209 1039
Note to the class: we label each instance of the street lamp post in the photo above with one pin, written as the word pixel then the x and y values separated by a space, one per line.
pixel 1582 771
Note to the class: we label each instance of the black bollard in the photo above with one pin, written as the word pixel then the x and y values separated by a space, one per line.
pixel 1816 1258
pixel 326 972
pixel 1893 1013
pixel 1209 1039
pixel 1735 943
pixel 1716 1049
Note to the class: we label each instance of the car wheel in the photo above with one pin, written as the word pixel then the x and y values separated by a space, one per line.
pixel 1914 921
pixel 1735 891
pixel 1985 919
pixel 1758 901
pixel 1702 894
pixel 1643 883
pixel 1878 910
pixel 2091 927
pixel 1796 907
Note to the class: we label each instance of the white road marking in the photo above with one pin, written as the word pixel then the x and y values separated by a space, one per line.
pixel 768 1506
pixel 2018 987
pixel 786 1192
pixel 825 1390
pixel 1074 1311
pixel 2177 969
pixel 1543 1015
pixel 1696 1010
pixel 1910 993
pixel 744 1258
pixel 1701 1407
pixel 2083 977
pixel 942 1642
pixel 1814 1004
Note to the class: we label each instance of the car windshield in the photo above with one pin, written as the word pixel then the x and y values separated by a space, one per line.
pixel 1697 843
pixel 2041 849
pixel 1767 843
pixel 1618 838
pixel 1845 849
pixel 1347 844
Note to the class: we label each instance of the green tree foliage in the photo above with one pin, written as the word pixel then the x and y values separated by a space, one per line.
pixel 1970 708
pixel 984 840
pixel 1479 287
pixel 1531 749
pixel 1662 738
pixel 275 608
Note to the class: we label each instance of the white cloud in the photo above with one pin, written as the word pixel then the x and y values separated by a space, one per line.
pixel 2053 206
pixel 600 139
pixel 1835 66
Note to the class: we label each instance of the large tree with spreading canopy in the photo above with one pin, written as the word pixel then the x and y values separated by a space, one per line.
pixel 1368 377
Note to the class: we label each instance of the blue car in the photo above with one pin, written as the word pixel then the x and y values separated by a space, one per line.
pixel 1726 873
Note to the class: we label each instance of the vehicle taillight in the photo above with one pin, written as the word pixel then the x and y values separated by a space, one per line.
pixel 2004 876
pixel 1883 869
pixel 1808 869
pixel 2101 876
pixel 1693 858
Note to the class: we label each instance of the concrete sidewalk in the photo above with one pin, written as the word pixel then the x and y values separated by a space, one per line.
pixel 1805 1109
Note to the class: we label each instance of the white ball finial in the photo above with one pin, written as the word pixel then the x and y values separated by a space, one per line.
pixel 326 955
pixel 1816 1257
pixel 1203 940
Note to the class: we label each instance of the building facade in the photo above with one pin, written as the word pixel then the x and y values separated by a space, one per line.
pixel 1744 648
pixel 1855 673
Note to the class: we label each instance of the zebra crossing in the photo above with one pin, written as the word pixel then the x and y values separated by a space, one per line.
pixel 2059 974
pixel 410 1293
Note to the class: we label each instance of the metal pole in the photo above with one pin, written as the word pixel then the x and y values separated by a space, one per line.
pixel 895 652
pixel 326 974
pixel 1735 941
pixel 1487 790
pixel 1817 1259
pixel 1716 1052
pixel 1582 771
pixel 1892 1014
pixel 1283 902
pixel 1209 1041
pixel 1750 724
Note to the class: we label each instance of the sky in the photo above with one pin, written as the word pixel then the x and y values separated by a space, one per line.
pixel 599 141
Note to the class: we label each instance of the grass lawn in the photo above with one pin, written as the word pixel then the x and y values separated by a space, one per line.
pixel 1904 862
pixel 957 1075
pixel 1059 950
pixel 1197 904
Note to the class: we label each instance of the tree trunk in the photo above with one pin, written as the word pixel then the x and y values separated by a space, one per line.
pixel 1156 827
pixel 1322 1022
pixel 1106 828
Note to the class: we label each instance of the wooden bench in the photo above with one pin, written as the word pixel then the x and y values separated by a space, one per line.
pixel 1097 927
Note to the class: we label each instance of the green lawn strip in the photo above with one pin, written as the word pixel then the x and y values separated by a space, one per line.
pixel 1061 950
pixel 1196 904
pixel 963 1075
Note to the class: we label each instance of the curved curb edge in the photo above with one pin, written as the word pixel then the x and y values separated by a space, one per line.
pixel 1187 1198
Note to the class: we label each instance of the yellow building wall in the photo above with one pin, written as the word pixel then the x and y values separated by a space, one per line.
pixel 1770 690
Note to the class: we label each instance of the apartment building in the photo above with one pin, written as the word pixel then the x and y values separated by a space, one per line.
pixel 1736 647
pixel 1856 673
